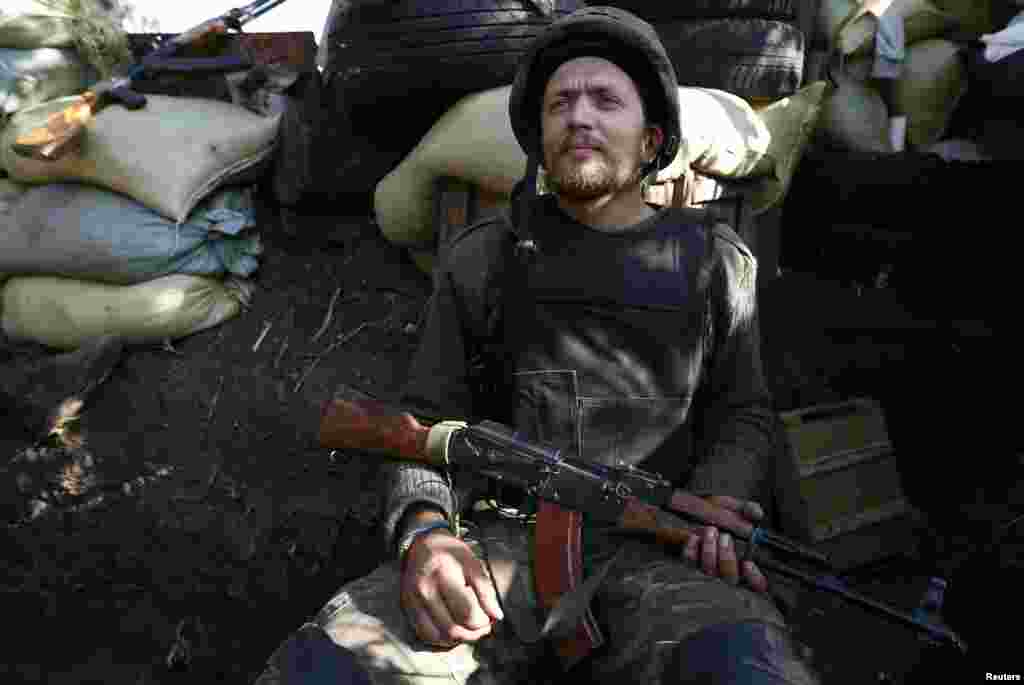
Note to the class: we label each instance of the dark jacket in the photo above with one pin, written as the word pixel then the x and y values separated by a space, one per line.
pixel 638 347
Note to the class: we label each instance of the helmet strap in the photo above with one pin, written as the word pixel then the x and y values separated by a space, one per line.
pixel 523 197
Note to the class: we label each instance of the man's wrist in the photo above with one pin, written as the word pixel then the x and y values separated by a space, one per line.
pixel 414 534
pixel 416 517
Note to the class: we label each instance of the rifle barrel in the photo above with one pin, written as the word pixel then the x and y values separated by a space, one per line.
pixel 938 632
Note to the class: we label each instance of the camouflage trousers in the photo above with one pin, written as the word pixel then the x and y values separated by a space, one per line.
pixel 649 604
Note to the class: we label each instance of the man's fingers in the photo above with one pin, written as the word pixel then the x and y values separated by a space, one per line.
pixel 422 621
pixel 709 551
pixel 748 508
pixel 692 548
pixel 754 577
pixel 727 563
pixel 487 597
pixel 461 602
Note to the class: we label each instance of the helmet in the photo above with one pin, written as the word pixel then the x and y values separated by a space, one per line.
pixel 610 33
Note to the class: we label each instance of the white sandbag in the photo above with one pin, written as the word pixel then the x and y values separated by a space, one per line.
pixel 933 82
pixel 82 231
pixel 168 155
pixel 28 24
pixel 854 116
pixel 791 122
pixel 32 76
pixel 474 142
pixel 851 25
pixel 722 135
pixel 63 313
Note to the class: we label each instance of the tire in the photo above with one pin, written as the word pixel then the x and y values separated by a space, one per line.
pixel 419 57
pixel 656 11
pixel 756 59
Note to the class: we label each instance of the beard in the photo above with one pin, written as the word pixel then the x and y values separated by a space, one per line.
pixel 588 179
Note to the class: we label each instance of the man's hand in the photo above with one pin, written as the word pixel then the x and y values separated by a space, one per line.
pixel 716 553
pixel 447 594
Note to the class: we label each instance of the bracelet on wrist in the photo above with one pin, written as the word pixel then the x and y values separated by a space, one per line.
pixel 411 536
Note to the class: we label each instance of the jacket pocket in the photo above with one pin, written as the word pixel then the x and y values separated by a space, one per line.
pixel 619 431
pixel 546 410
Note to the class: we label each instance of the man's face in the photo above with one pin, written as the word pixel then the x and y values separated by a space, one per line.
pixel 593 130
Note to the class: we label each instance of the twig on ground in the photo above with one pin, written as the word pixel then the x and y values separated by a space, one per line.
pixel 328 316
pixel 213 402
pixel 280 354
pixel 259 341
pixel 335 345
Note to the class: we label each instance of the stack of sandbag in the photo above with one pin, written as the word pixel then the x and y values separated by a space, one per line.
pixel 724 137
pixel 145 230
pixel 899 70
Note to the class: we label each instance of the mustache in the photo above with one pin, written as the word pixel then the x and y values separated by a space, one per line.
pixel 580 142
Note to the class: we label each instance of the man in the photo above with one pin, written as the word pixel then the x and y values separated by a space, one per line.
pixel 621 332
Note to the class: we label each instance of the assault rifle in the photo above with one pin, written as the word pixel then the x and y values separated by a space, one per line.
pixel 63 129
pixel 636 501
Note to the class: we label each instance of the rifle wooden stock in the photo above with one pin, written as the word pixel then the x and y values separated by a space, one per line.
pixel 373 426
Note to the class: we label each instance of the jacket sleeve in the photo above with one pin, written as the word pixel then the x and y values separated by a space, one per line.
pixel 738 425
pixel 440 387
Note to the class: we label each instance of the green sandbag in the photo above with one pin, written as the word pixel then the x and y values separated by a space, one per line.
pixel 854 116
pixel 35 27
pixel 933 82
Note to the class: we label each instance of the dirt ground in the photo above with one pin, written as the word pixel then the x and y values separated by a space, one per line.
pixel 201 523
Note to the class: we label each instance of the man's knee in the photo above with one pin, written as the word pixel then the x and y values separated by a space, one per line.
pixel 747 653
pixel 310 657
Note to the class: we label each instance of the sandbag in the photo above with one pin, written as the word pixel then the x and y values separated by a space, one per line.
pixel 933 82
pixel 851 25
pixel 168 155
pixel 10 193
pixel 82 231
pixel 722 135
pixel 974 17
pixel 32 76
pixel 474 142
pixel 791 122
pixel 63 313
pixel 854 116
pixel 28 24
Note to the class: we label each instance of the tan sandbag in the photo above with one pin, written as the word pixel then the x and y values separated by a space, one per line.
pixel 63 313
pixel 791 122
pixel 28 24
pixel 933 81
pixel 473 141
pixel 854 115
pixel 975 17
pixel 168 155
pixel 851 25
